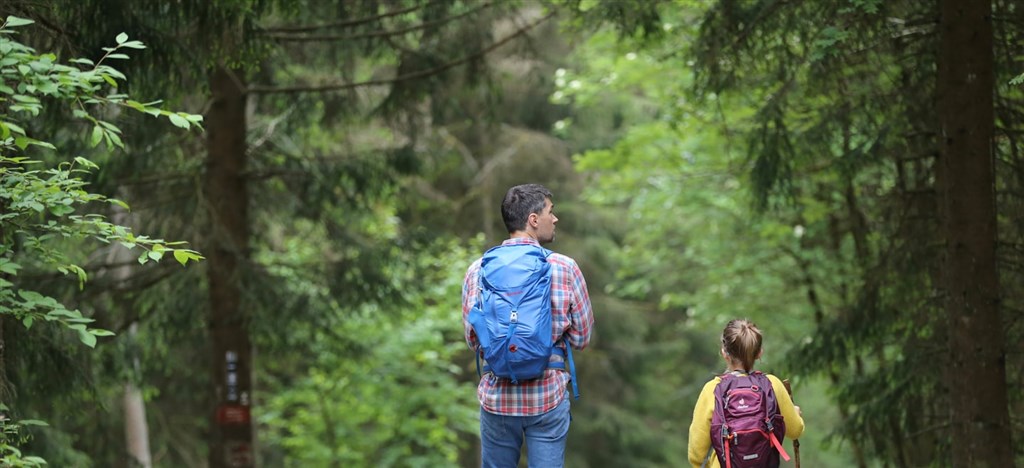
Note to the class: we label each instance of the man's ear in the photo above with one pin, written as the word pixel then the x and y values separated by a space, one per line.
pixel 531 221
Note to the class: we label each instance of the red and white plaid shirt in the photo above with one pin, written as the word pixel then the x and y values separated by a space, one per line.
pixel 571 317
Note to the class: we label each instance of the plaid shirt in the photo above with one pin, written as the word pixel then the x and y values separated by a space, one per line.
pixel 571 316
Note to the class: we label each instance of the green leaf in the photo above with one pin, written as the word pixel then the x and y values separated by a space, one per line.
pixel 25 99
pixel 14 129
pixel 121 204
pixel 43 144
pixel 184 255
pixel 61 210
pixel 109 80
pixel 88 338
pixel 32 422
pixel 109 126
pixel 85 162
pixel 63 313
pixel 181 256
pixel 116 140
pixel 9 267
pixel 97 136
pixel 179 121
pixel 135 105
pixel 134 45
pixel 13 21
pixel 27 321
pixel 121 38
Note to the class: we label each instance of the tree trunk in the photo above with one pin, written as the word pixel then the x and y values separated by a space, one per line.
pixel 136 429
pixel 980 426
pixel 231 441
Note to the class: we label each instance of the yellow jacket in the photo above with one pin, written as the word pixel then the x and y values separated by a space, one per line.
pixel 700 428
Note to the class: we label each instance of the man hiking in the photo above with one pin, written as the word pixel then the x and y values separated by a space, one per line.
pixel 510 297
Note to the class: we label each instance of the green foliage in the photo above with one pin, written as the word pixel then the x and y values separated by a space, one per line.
pixel 691 243
pixel 377 387
pixel 39 204
pixel 11 437
pixel 44 210
pixel 843 144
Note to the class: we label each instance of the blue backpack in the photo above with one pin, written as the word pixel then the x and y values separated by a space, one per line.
pixel 512 314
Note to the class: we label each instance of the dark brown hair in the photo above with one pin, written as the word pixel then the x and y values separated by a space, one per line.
pixel 520 202
pixel 741 340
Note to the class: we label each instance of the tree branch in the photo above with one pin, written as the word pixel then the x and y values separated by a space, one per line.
pixel 345 23
pixel 409 76
pixel 378 33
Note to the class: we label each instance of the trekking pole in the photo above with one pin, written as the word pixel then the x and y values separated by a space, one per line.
pixel 796 442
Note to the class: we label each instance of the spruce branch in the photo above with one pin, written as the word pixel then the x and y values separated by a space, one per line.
pixel 258 89
pixel 374 34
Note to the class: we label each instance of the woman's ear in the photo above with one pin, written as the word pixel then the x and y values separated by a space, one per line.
pixel 760 353
pixel 725 355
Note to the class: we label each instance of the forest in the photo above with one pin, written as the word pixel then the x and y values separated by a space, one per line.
pixel 233 233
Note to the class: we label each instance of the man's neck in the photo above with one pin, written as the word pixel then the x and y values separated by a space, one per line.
pixel 522 235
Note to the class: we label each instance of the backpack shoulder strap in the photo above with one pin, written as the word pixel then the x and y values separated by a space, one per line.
pixel 565 341
pixel 770 411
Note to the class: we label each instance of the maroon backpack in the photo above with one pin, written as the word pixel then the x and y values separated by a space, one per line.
pixel 746 427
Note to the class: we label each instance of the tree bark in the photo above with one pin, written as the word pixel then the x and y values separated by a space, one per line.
pixel 136 429
pixel 980 426
pixel 231 441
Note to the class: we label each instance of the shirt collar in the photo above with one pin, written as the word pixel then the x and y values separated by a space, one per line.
pixel 521 241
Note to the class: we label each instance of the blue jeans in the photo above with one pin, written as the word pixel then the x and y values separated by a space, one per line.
pixel 501 438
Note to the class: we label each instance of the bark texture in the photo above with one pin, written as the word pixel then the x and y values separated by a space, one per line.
pixel 980 425
pixel 231 442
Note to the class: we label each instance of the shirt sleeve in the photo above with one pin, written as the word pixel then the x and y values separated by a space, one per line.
pixel 581 313
pixel 469 295
pixel 794 422
pixel 700 427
